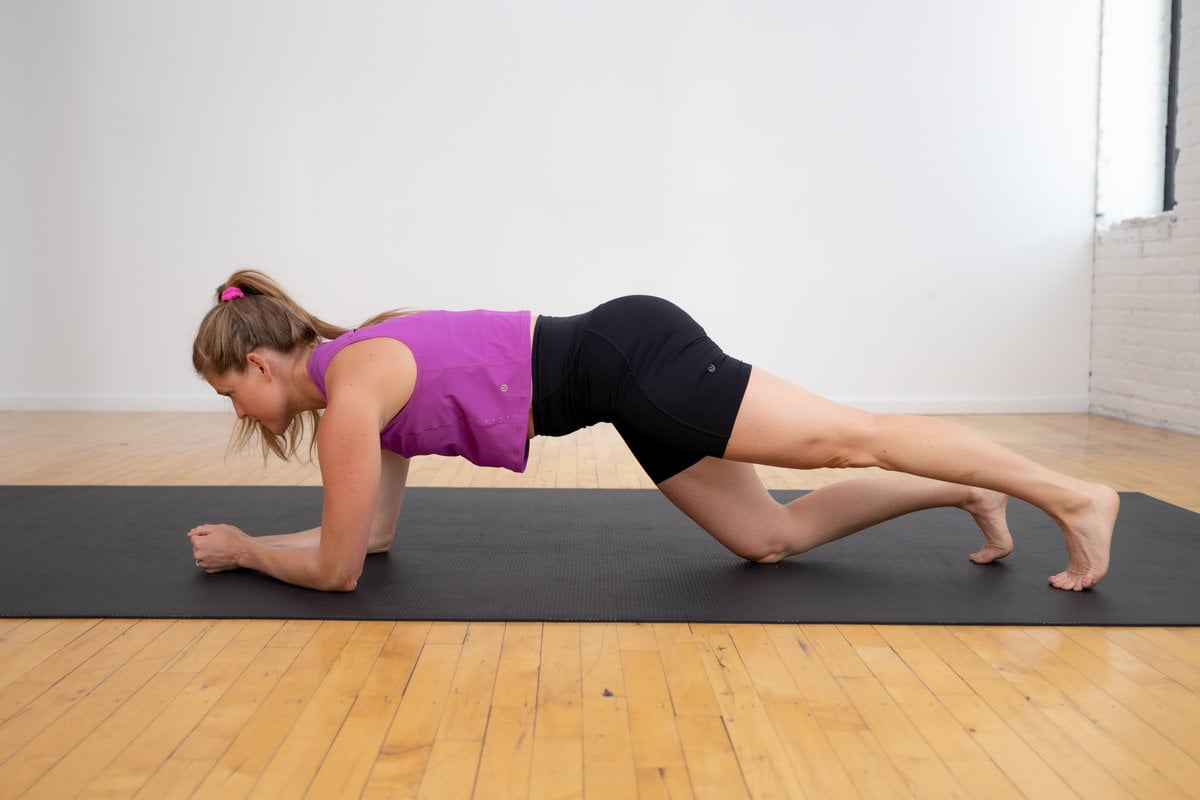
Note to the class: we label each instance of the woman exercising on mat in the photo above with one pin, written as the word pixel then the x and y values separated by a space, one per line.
pixel 480 384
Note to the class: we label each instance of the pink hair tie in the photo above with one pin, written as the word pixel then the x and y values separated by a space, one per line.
pixel 231 293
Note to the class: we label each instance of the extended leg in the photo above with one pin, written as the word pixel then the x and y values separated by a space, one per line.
pixel 783 425
pixel 729 501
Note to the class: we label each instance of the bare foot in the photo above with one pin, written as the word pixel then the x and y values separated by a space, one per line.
pixel 1088 530
pixel 990 512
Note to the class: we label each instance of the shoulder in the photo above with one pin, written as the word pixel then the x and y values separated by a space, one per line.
pixel 376 373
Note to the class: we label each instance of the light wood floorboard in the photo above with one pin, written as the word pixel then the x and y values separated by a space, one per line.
pixel 265 708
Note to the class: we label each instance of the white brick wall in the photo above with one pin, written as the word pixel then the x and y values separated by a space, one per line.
pixel 1146 292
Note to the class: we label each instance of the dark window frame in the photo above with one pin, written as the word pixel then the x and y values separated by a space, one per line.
pixel 1172 150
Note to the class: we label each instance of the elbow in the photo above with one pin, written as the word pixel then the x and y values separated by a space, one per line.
pixel 379 545
pixel 340 581
pixel 380 541
pixel 341 585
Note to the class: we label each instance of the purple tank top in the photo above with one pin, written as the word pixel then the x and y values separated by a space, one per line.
pixel 473 389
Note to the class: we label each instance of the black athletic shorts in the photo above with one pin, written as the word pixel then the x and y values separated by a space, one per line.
pixel 644 365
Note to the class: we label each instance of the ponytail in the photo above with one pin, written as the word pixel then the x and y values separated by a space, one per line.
pixel 252 311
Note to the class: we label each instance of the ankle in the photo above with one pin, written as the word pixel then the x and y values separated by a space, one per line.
pixel 976 499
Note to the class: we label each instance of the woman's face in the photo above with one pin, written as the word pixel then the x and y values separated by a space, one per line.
pixel 255 393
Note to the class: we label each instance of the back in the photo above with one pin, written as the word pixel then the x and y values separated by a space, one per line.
pixel 473 386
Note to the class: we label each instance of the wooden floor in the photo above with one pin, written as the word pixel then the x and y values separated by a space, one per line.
pixel 182 708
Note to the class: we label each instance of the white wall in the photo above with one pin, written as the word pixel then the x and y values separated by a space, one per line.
pixel 891 203
pixel 1146 329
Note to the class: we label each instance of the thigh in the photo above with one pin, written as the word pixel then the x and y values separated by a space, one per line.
pixel 729 501
pixel 781 424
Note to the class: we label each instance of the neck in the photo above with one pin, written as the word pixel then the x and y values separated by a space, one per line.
pixel 305 394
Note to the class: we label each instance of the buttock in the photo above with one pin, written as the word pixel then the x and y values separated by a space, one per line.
pixel 646 366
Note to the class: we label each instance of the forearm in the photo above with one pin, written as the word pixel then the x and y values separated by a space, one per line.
pixel 378 543
pixel 300 565
pixel 308 538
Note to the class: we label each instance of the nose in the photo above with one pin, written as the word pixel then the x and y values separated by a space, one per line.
pixel 237 409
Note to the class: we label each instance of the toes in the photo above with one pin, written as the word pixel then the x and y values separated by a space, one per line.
pixel 989 553
pixel 1062 581
pixel 1071 583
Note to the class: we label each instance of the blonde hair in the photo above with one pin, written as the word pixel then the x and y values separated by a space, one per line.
pixel 264 316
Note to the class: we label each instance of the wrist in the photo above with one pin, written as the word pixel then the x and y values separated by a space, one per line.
pixel 246 555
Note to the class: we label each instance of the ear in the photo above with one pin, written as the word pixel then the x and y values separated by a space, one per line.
pixel 257 362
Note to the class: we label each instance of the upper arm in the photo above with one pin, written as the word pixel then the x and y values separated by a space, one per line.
pixel 350 471
pixel 392 480
pixel 365 389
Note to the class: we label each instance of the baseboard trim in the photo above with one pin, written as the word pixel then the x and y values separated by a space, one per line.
pixel 916 405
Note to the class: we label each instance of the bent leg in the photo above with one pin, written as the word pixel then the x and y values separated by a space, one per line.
pixel 781 424
pixel 728 500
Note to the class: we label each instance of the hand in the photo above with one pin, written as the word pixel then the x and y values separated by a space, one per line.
pixel 217 548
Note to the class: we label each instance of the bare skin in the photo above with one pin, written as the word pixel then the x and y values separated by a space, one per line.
pixel 780 424
pixel 990 512
pixel 729 501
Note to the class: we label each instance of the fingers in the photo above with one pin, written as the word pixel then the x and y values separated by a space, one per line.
pixel 211 547
pixel 194 536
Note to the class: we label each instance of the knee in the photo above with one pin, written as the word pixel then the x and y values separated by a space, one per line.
pixel 759 552
pixel 772 551
pixel 770 556
pixel 769 544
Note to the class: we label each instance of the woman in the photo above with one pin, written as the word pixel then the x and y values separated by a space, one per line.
pixel 480 384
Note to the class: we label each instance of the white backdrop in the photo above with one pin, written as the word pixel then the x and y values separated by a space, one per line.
pixel 891 203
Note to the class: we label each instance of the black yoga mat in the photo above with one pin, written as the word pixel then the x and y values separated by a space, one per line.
pixel 580 555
